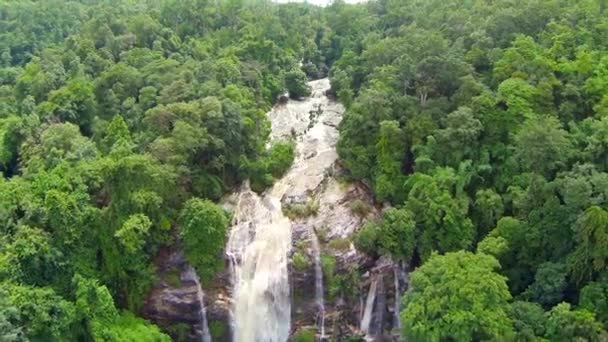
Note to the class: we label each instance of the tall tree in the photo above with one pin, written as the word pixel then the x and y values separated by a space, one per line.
pixel 457 296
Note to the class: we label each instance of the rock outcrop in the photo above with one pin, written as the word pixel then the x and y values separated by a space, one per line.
pixel 348 275
pixel 174 304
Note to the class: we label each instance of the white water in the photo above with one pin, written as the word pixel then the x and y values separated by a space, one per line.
pixel 319 291
pixel 260 237
pixel 262 307
pixel 396 275
pixel 206 336
pixel 369 307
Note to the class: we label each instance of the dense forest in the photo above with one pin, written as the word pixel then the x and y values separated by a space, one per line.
pixel 484 123
pixel 481 126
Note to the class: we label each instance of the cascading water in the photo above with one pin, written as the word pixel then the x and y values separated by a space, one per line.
pixel 376 329
pixel 319 291
pixel 260 237
pixel 206 336
pixel 396 275
pixel 401 278
pixel 366 320
pixel 259 263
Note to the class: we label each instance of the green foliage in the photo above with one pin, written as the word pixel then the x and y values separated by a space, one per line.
pixel 304 335
pixel 340 244
pixel 367 238
pixel 483 125
pixel 296 83
pixel 360 208
pixel 217 329
pixel 542 146
pixel 95 306
pixel 280 158
pixel 330 278
pixel 300 261
pixel 565 324
pixel 529 321
pixel 273 164
pixel 388 180
pixel 394 234
pixel 57 143
pixel 594 298
pixel 397 234
pixel 549 284
pixel 113 116
pixel 203 233
pixel 590 257
pixel 440 212
pixel 133 232
pixel 300 210
pixel 9 329
pixel 457 296
pixel 31 258
pixel 38 311
pixel 173 278
pixel 488 126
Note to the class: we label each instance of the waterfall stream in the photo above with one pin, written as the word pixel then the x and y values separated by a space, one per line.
pixel 260 236
pixel 396 275
pixel 206 336
pixel 366 320
pixel 319 290
pixel 377 327
pixel 259 265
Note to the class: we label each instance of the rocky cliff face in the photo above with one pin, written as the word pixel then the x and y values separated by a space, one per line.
pixel 348 275
pixel 175 306
pixel 336 293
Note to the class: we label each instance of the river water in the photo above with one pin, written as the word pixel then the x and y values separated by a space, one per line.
pixel 260 236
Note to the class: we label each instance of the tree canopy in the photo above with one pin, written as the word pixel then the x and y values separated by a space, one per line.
pixel 483 122
pixel 482 127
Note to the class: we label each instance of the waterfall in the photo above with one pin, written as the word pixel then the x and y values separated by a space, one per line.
pixel 319 291
pixel 396 275
pixel 260 236
pixel 262 306
pixel 369 307
pixel 377 326
pixel 401 275
pixel 206 336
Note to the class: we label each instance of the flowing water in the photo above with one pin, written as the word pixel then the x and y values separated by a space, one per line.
pixel 319 290
pixel 366 320
pixel 206 336
pixel 401 278
pixel 260 237
pixel 376 329
pixel 396 275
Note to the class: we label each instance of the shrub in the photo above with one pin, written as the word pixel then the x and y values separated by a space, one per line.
pixel 203 232
pixel 304 335
pixel 280 158
pixel 301 262
pixel 340 244
pixel 360 208
pixel 328 265
pixel 217 329
pixel 366 239
pixel 297 83
pixel 275 162
pixel 299 210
